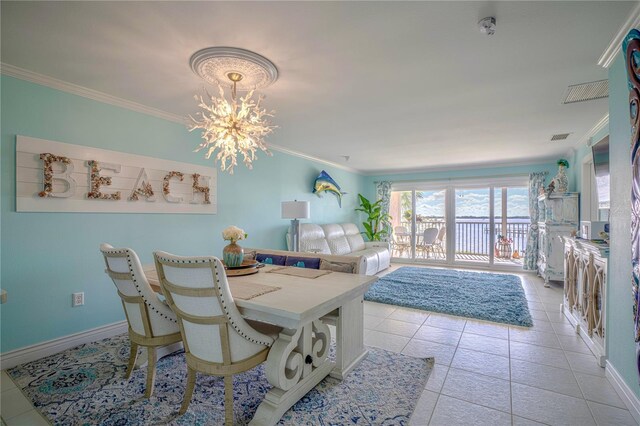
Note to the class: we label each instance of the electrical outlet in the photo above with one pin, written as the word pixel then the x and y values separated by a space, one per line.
pixel 77 299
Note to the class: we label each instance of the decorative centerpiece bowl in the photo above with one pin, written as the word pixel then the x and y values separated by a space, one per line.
pixel 232 253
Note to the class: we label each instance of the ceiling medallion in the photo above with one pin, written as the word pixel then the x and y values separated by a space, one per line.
pixel 214 64
pixel 236 126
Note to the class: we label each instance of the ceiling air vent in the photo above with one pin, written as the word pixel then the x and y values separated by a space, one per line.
pixel 587 92
pixel 560 137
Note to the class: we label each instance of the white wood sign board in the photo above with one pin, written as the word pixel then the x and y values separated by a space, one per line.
pixel 127 173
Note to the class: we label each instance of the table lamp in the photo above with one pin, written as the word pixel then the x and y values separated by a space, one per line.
pixel 295 210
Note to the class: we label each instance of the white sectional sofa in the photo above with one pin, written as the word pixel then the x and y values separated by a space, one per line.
pixel 344 240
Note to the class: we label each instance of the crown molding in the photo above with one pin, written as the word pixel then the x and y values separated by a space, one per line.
pixel 85 92
pixel 315 159
pixel 604 121
pixel 460 167
pixel 54 83
pixel 614 46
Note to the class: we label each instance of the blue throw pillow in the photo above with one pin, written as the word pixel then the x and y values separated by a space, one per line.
pixel 303 262
pixel 270 259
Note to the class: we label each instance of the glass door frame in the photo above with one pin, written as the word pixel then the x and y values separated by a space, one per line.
pixel 450 186
pixel 467 186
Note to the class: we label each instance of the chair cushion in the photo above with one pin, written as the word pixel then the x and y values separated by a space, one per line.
pixel 356 242
pixel 347 267
pixel 310 231
pixel 303 262
pixel 271 259
pixel 339 245
pixel 371 261
pixel 332 230
pixel 350 229
pixel 319 245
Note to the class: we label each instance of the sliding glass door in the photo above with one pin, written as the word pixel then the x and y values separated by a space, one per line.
pixel 460 222
pixel 511 219
pixel 473 225
pixel 431 225
pixel 419 224
pixel 401 211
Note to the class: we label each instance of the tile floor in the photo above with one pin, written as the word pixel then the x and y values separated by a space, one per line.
pixel 485 373
pixel 15 408
pixel 492 374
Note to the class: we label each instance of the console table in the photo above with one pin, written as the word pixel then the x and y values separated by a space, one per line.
pixel 585 291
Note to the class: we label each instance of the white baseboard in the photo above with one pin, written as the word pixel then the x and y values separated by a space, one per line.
pixel 627 395
pixel 31 353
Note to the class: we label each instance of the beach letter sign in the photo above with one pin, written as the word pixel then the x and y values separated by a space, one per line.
pixel 60 177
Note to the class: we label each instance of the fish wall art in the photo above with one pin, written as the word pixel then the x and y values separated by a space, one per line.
pixel 325 183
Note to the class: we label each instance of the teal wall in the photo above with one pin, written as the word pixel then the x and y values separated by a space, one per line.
pixel 621 346
pixel 620 332
pixel 48 256
pixel 470 173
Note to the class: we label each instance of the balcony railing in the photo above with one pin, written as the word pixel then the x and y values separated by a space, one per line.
pixel 473 236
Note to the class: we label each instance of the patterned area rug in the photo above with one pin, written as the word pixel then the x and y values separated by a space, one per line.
pixel 485 296
pixel 85 385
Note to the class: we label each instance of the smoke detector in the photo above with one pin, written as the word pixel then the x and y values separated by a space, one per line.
pixel 487 25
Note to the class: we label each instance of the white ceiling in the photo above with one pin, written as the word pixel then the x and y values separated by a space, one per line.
pixel 394 85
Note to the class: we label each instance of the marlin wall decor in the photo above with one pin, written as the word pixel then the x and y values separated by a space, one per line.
pixel 325 183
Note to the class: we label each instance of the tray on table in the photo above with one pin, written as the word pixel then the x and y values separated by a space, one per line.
pixel 248 267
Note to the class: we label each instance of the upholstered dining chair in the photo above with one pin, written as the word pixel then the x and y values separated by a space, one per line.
pixel 217 339
pixel 428 239
pixel 152 324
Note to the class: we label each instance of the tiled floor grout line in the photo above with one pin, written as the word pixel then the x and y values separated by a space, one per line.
pixel 510 378
pixel 573 372
pixel 439 395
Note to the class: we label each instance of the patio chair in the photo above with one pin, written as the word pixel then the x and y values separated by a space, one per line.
pixel 401 240
pixel 218 341
pixel 151 323
pixel 438 243
pixel 428 239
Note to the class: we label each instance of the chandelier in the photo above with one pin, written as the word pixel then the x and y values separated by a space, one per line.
pixel 241 124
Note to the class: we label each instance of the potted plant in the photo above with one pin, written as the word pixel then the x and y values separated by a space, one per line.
pixel 377 223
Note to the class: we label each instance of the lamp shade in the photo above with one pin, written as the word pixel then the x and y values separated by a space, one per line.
pixel 295 210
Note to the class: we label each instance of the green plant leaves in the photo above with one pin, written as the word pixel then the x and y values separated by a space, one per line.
pixel 377 222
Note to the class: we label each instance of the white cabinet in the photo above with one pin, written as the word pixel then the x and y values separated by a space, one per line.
pixel 585 291
pixel 558 217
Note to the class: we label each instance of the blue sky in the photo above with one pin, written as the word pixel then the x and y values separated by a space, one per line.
pixel 474 202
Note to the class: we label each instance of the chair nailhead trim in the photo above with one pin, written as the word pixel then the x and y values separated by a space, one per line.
pixel 222 301
pixel 135 282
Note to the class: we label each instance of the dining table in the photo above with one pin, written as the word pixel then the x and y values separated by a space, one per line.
pixel 303 303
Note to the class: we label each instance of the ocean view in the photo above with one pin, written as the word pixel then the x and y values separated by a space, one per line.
pixel 473 233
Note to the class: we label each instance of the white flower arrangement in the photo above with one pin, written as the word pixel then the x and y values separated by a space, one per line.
pixel 233 234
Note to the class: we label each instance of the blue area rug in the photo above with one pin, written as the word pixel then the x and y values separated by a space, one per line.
pixel 485 296
pixel 86 386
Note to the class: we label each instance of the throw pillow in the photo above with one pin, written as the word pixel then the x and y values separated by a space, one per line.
pixel 270 259
pixel 303 262
pixel 347 267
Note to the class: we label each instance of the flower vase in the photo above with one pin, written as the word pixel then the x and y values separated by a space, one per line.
pixel 232 255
